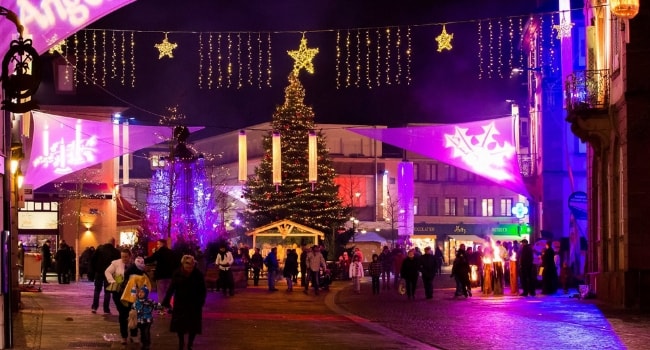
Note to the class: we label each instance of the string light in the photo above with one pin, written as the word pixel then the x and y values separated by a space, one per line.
pixel 521 32
pixel 378 77
pixel 113 56
pixel 165 48
pixel 93 57
pixel 480 50
pixel 219 61
pixel 511 35
pixel 368 44
pixel 239 65
pixel 387 56
pixel 84 70
pixel 490 48
pixel 551 49
pixel 303 57
pixel 347 59
pixel 444 39
pixel 103 58
pixel 398 43
pixel 268 63
pixel 200 60
pixel 123 56
pixel 358 61
pixel 68 66
pixel 500 55
pixel 338 59
pixel 259 60
pixel 250 59
pixel 409 51
pixel 540 37
pixel 132 59
pixel 229 68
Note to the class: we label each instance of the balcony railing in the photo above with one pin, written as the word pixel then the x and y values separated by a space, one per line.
pixel 526 164
pixel 588 90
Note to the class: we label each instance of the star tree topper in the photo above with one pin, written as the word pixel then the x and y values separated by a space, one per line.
pixel 166 48
pixel 563 29
pixel 303 57
pixel 444 39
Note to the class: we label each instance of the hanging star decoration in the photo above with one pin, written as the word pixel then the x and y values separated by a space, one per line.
pixel 444 39
pixel 58 47
pixel 165 48
pixel 303 57
pixel 481 152
pixel 563 29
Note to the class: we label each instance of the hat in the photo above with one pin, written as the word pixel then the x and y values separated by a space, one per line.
pixel 525 241
pixel 145 290
pixel 139 263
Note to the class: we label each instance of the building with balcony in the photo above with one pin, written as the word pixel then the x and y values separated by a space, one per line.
pixel 607 107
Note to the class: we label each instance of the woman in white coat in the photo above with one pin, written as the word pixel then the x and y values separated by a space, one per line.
pixel 115 273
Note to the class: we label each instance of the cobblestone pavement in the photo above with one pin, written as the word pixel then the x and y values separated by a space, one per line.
pixel 59 318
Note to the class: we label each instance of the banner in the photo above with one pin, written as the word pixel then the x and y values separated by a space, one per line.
pixel 485 148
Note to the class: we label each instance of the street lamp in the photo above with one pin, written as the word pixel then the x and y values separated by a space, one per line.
pixel 355 226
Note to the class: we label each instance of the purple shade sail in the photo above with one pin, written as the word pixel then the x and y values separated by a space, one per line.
pixel 61 145
pixel 48 22
pixel 485 148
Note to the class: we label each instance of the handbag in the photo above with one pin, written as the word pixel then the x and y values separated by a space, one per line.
pixel 114 287
pixel 133 319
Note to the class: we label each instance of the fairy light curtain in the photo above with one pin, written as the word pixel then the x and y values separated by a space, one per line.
pixel 363 57
pixel 61 145
pixel 485 148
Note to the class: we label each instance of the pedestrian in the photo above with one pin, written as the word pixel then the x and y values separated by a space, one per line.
pixel 115 273
pixel 356 273
pixel 409 272
pixel 527 275
pixel 344 265
pixel 256 264
pixel 188 289
pixel 144 308
pixel 84 263
pixel 375 271
pixel 398 259
pixel 99 262
pixel 46 259
pixel 549 273
pixel 439 259
pixel 315 262
pixel 304 278
pixel 429 268
pixel 224 262
pixel 386 260
pixel 460 272
pixel 21 259
pixel 566 274
pixel 272 267
pixel 166 263
pixel 290 268
pixel 63 259
pixel 134 279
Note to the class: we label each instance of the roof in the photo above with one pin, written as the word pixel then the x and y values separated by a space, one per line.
pixel 285 228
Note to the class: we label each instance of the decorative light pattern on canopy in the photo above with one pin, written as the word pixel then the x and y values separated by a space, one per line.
pixel 62 145
pixel 484 147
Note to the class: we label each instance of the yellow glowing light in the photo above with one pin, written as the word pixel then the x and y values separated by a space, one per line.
pixel 627 9
pixel 563 29
pixel 444 39
pixel 165 48
pixel 303 57
pixel 58 47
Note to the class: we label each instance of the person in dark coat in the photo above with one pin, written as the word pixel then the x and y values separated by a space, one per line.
pixel 63 258
pixel 549 275
pixel 290 268
pixel 46 260
pixel 166 263
pixel 409 272
pixel 189 292
pixel 460 271
pixel 256 264
pixel 84 263
pixel 99 262
pixel 527 275
pixel 429 267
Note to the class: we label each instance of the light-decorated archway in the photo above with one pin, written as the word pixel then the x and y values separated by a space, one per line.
pixel 285 229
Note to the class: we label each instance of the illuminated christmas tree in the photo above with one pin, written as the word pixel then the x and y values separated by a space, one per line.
pixel 315 205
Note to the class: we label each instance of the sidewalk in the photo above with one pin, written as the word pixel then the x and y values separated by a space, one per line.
pixel 59 318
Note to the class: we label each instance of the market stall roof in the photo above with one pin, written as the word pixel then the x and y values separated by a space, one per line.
pixel 472 238
pixel 285 228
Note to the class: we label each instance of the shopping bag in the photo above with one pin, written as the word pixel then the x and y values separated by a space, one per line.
pixel 133 319
pixel 402 287
pixel 541 271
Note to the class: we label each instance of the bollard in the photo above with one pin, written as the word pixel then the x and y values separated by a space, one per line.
pixel 514 288
pixel 498 277
pixel 487 279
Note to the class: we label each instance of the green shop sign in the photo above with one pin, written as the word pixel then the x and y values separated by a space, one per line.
pixel 511 230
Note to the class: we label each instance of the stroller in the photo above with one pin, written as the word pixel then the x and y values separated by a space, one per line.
pixel 325 279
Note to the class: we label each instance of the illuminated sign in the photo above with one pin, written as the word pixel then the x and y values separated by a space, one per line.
pixel 62 145
pixel 50 21
pixel 519 210
pixel 484 147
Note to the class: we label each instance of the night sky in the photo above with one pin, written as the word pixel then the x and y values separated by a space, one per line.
pixel 444 86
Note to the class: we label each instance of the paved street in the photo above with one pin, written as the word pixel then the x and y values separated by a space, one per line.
pixel 59 318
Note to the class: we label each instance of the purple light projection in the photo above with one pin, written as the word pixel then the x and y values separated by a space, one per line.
pixel 48 22
pixel 484 147
pixel 61 145
pixel 405 217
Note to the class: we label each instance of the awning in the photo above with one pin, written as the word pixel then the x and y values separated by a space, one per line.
pixel 467 238
pixel 127 214
pixel 73 189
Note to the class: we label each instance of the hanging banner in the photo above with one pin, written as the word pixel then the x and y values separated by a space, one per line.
pixel 485 148
pixel 49 21
pixel 61 145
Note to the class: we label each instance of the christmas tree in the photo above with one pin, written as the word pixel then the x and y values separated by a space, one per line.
pixel 314 205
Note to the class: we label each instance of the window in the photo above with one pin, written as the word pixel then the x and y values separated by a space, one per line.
pixel 506 207
pixel 416 204
pixel 450 206
pixel 469 206
pixel 157 160
pixel 416 172
pixel 452 173
pixel 487 207
pixel 432 172
pixel 433 206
